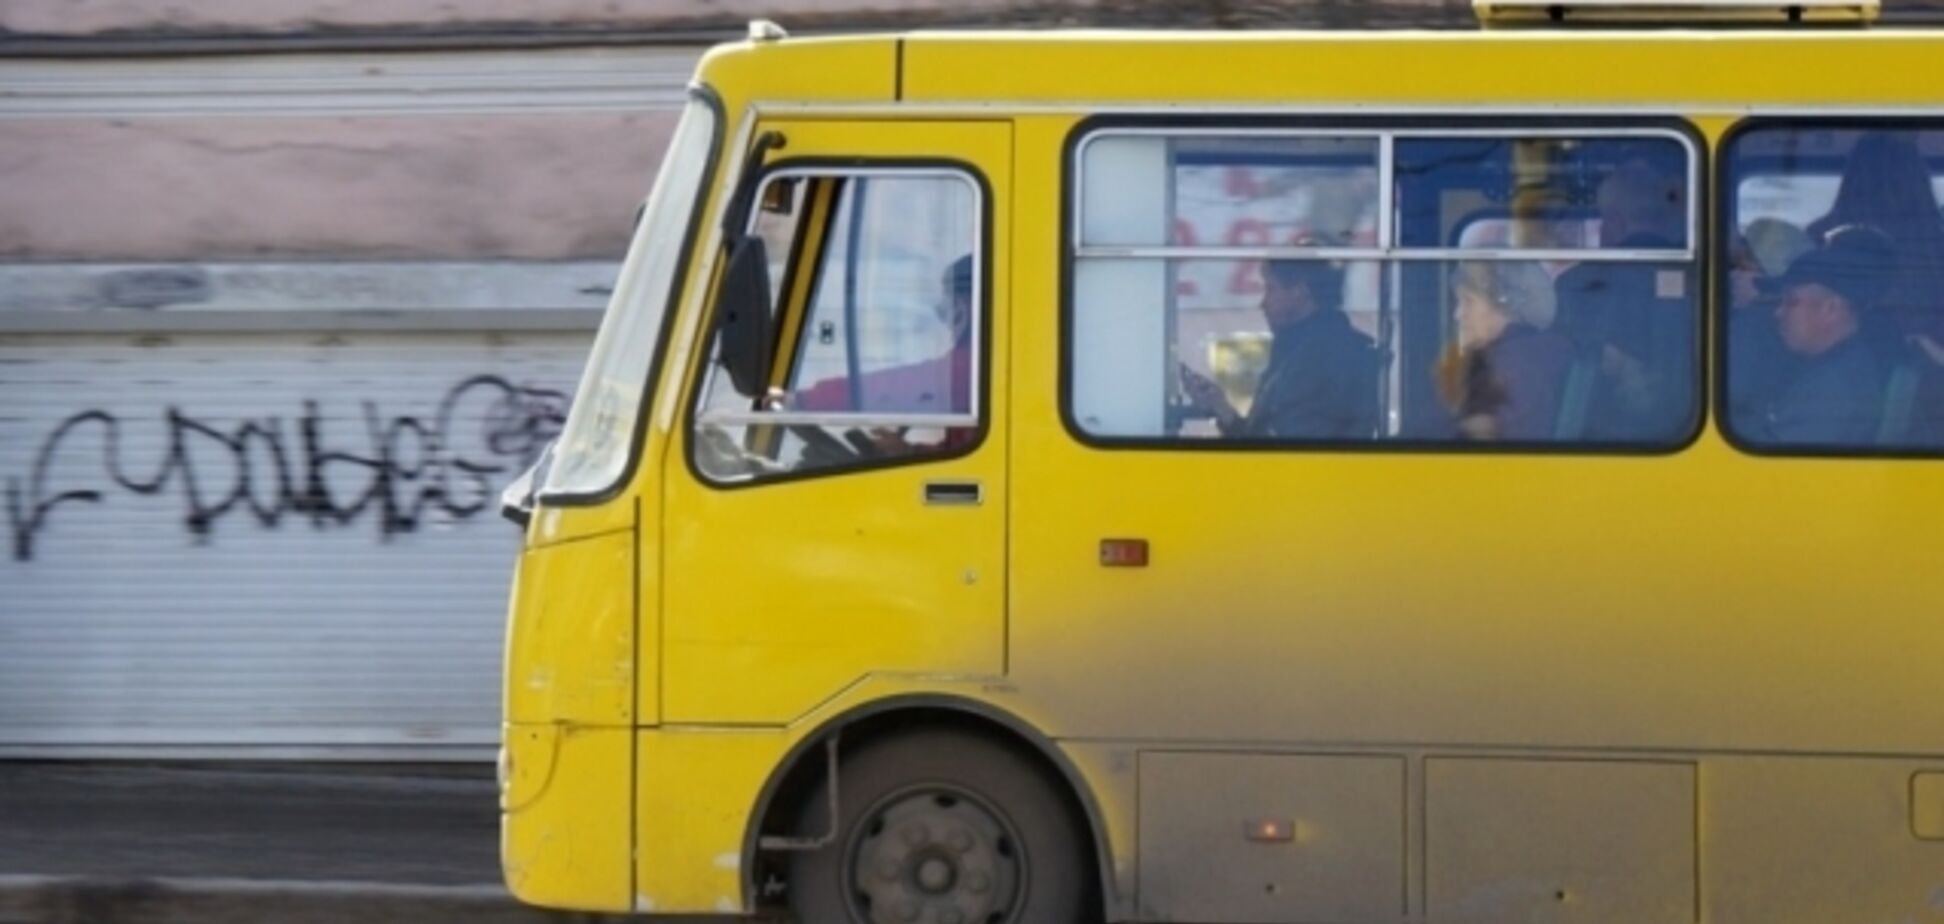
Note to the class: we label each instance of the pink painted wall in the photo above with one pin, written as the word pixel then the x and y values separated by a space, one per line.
pixel 80 17
pixel 531 186
pixel 86 17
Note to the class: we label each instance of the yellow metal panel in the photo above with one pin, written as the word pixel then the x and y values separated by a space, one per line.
pixel 1108 773
pixel 564 836
pixel 1573 842
pixel 1509 601
pixel 1271 837
pixel 570 650
pixel 826 70
pixel 1804 840
pixel 554 524
pixel 695 791
pixel 1455 68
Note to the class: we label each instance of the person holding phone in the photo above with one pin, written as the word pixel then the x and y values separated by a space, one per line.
pixel 1321 379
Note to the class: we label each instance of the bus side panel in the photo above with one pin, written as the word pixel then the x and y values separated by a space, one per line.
pixel 1686 609
pixel 1803 840
pixel 693 799
pixel 563 844
pixel 567 753
pixel 571 635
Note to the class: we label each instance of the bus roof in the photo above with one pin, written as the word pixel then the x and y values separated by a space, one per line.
pixel 1687 69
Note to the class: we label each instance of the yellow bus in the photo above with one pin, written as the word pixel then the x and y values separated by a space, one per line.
pixel 1300 477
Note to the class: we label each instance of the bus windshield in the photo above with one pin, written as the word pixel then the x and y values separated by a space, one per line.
pixel 595 445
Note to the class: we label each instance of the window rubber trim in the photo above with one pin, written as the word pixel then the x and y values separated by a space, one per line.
pixel 637 442
pixel 1727 217
pixel 987 210
pixel 1703 259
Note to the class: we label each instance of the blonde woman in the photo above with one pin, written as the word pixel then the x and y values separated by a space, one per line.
pixel 1502 378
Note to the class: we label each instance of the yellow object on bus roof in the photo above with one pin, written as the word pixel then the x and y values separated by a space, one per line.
pixel 1671 12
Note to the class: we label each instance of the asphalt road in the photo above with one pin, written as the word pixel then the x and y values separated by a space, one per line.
pixel 383 825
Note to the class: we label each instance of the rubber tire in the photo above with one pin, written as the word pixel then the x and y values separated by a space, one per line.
pixel 1060 878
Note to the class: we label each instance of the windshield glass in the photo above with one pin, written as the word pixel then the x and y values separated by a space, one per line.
pixel 594 447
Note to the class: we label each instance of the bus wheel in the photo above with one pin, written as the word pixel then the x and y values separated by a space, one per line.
pixel 943 827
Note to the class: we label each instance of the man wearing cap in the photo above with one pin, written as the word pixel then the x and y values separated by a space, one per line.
pixel 1832 392
pixel 1321 379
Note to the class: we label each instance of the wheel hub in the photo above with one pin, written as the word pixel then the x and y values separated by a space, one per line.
pixel 935 857
pixel 936 875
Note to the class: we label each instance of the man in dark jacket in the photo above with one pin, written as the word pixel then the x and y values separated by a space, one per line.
pixel 1832 393
pixel 1321 379
pixel 1635 321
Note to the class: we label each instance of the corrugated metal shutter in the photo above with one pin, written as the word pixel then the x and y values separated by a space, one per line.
pixel 266 543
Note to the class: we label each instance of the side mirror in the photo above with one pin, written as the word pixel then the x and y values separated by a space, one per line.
pixel 516 501
pixel 743 316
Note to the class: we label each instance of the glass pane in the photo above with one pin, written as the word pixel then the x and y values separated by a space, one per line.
pixel 1589 353
pixel 886 346
pixel 1542 193
pixel 1228 191
pixel 1835 327
pixel 892 323
pixel 1321 352
pixel 778 222
pixel 595 444
pixel 1228 349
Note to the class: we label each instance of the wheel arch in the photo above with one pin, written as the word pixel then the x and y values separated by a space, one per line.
pixel 801 770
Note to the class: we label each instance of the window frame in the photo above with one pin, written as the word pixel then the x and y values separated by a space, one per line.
pixel 1720 285
pixel 685 278
pixel 1696 254
pixel 978 420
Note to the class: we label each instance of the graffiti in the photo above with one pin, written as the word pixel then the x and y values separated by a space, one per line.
pixel 399 472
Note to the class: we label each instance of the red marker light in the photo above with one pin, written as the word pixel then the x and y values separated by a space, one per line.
pixel 1123 553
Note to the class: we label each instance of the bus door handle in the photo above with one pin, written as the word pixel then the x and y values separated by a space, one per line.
pixel 953 493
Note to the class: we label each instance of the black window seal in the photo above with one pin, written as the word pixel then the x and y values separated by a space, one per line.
pixel 838 165
pixel 1726 219
pixel 1069 202
pixel 637 443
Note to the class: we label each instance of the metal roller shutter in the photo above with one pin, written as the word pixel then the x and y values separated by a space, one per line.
pixel 263 543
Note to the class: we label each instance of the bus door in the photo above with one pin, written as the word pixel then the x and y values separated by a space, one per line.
pixel 837 506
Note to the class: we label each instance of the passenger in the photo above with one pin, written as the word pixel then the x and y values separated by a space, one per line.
pixel 940 385
pixel 1321 379
pixel 1757 359
pixel 1888 185
pixel 1766 248
pixel 1503 378
pixel 1625 316
pixel 1832 393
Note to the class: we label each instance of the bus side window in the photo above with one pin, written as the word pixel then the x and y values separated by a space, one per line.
pixel 878 334
pixel 1569 312
pixel 1835 334
pixel 1270 289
